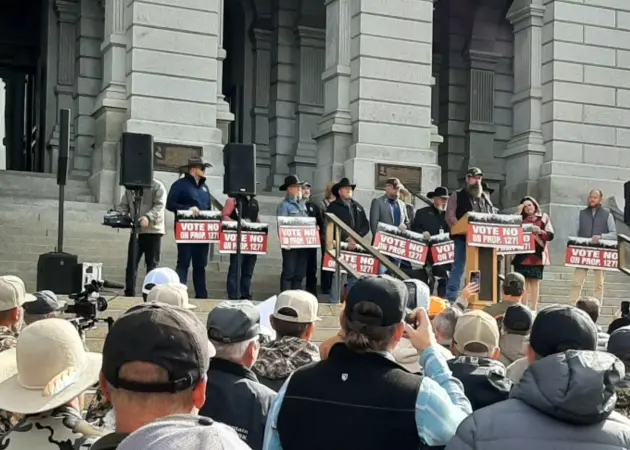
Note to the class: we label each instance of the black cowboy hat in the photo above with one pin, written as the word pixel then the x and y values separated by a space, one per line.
pixel 291 180
pixel 344 182
pixel 197 161
pixel 487 188
pixel 438 192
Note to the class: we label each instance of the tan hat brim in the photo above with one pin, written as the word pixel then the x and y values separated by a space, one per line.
pixel 191 306
pixel 17 399
pixel 8 365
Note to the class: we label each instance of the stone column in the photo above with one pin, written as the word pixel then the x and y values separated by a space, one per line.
pixel 310 92
pixel 224 116
pixel 260 111
pixel 335 126
pixel 390 91
pixel 525 152
pixel 111 105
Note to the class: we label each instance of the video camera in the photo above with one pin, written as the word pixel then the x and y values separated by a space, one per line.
pixel 86 306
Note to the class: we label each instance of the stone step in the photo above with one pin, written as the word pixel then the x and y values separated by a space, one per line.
pixel 79 195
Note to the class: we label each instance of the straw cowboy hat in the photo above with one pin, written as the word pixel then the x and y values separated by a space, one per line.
pixel 51 368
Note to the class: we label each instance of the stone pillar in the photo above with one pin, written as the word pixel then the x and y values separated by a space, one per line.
pixel 260 111
pixel 310 92
pixel 390 91
pixel 525 152
pixel 335 126
pixel 111 105
pixel 224 116
pixel 436 139
pixel 282 104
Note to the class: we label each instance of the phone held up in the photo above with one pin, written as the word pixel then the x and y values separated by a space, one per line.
pixel 625 308
pixel 475 277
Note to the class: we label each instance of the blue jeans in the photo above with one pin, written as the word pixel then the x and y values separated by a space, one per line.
pixel 345 280
pixel 198 255
pixel 457 272
pixel 248 262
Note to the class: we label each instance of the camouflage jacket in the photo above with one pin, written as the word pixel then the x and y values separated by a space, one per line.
pixel 623 398
pixel 99 412
pixel 60 429
pixel 8 340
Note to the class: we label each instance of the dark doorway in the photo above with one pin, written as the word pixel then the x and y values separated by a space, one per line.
pixel 23 44
pixel 234 65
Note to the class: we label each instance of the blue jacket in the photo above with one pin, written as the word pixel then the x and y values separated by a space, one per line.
pixel 186 193
pixel 289 207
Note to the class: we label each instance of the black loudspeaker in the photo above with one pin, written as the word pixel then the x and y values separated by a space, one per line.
pixel 57 272
pixel 626 208
pixel 239 161
pixel 64 146
pixel 136 160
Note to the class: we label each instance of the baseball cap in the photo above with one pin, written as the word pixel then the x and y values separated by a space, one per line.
pixel 513 284
pixel 13 293
pixel 518 318
pixel 474 172
pixel 233 321
pixel 476 327
pixel 183 432
pixel 161 275
pixel 619 344
pixel 558 328
pixel 46 303
pixel 302 303
pixel 436 306
pixel 167 336
pixel 175 294
pixel 388 294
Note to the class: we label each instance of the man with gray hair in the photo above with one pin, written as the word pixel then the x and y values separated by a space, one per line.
pixel 444 325
pixel 234 395
pixel 593 307
pixel 46 306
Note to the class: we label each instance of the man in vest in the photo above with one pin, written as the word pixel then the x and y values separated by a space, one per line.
pixel 470 198
pixel 250 213
pixel 595 222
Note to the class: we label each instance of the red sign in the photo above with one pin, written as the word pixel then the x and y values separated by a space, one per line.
pixel 298 232
pixel 203 228
pixel 401 244
pixel 443 252
pixel 529 246
pixel 495 235
pixel 586 255
pixel 362 263
pixel 253 238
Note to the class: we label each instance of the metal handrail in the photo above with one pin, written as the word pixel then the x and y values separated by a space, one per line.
pixel 624 258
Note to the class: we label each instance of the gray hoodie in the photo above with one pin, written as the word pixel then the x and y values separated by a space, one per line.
pixel 564 401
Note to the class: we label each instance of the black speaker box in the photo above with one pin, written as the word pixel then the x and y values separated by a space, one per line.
pixel 136 160
pixel 626 208
pixel 239 161
pixel 57 272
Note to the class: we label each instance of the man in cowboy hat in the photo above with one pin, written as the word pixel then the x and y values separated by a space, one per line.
pixel 470 198
pixel 430 221
pixel 353 215
pixel 51 369
pixel 191 193
pixel 313 210
pixel 293 260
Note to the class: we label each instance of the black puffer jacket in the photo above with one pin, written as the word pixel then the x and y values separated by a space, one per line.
pixel 484 380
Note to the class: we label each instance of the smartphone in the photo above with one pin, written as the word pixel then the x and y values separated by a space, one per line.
pixel 625 308
pixel 475 277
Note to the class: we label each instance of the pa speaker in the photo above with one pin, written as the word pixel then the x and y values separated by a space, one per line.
pixel 626 208
pixel 136 160
pixel 64 146
pixel 57 272
pixel 239 161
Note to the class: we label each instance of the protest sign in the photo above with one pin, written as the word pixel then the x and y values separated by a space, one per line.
pixel 529 242
pixel 253 238
pixel 494 230
pixel 400 244
pixel 442 249
pixel 204 228
pixel 585 254
pixel 298 232
pixel 358 259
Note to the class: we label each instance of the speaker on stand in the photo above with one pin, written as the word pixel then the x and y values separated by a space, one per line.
pixel 626 208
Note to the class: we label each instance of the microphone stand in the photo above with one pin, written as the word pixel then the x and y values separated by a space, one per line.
pixel 239 232
pixel 137 194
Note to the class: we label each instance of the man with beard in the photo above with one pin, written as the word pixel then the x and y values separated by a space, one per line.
pixel 430 221
pixel 472 198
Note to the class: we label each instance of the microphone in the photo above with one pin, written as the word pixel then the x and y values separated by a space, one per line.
pixel 112 285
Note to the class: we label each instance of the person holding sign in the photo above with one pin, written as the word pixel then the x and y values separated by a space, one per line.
pixel 597 223
pixel 470 198
pixel 250 213
pixel 531 265
pixel 191 193
pixel 313 210
pixel 293 260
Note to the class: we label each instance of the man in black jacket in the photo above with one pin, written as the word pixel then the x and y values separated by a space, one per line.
pixel 430 221
pixel 233 394
pixel 313 210
pixel 353 215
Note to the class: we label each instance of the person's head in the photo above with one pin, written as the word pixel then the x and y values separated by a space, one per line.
pixel 439 197
pixel 13 297
pixel 444 325
pixel 591 306
pixel 306 190
pixel 293 187
pixel 518 319
pixel 295 314
pixel 158 277
pixel 619 345
pixel 155 361
pixel 197 167
pixel 474 178
pixel 530 206
pixel 46 306
pixel 558 328
pixel 372 319
pixel 476 334
pixel 513 287
pixel 618 323
pixel 343 189
pixel 174 294
pixel 49 368
pixel 329 194
pixel 234 330
pixel 392 187
pixel 595 198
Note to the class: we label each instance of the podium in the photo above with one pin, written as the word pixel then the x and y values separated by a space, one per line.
pixel 486 234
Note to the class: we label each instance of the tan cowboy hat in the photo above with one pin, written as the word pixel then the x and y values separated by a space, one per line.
pixel 8 366
pixel 51 368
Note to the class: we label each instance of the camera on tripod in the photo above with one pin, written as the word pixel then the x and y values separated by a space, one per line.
pixel 86 306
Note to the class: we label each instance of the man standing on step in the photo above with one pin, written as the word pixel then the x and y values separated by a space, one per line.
pixel 191 193
pixel 250 213
pixel 150 233
pixel 313 210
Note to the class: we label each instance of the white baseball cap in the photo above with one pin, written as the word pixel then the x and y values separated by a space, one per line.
pixel 158 277
pixel 303 305
pixel 13 293
pixel 175 294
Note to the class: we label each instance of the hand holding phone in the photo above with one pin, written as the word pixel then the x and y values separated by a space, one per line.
pixel 422 336
pixel 475 277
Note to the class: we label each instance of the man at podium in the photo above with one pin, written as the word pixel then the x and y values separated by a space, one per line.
pixel 470 198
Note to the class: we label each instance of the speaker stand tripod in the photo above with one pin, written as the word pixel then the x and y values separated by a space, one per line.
pixel 136 194
pixel 239 232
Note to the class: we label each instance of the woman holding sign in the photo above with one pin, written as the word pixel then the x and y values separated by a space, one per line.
pixel 531 265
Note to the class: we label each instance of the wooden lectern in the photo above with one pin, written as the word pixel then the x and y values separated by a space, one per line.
pixel 482 257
